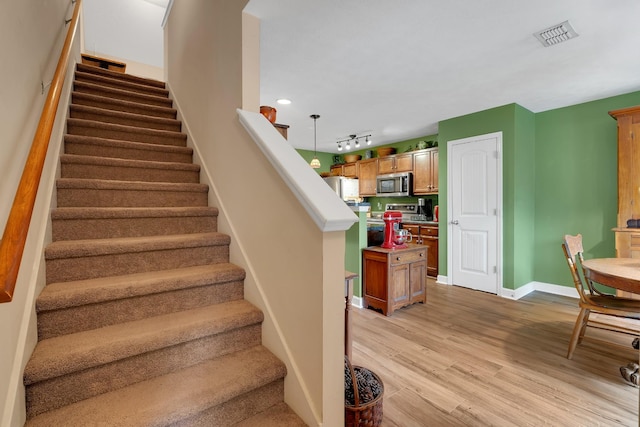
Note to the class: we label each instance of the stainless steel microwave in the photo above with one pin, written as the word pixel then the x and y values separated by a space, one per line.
pixel 394 185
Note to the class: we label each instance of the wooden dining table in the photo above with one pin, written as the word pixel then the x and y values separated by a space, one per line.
pixel 619 273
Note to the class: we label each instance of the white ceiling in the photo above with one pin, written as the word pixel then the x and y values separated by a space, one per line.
pixel 396 68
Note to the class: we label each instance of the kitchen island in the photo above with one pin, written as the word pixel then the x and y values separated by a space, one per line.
pixel 394 278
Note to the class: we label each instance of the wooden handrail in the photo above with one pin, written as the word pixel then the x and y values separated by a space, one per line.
pixel 17 227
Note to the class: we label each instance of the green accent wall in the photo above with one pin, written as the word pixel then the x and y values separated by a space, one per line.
pixel 355 240
pixel 576 182
pixel 517 126
pixel 559 177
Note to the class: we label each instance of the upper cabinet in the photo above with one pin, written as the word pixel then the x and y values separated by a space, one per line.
pixel 425 171
pixel 367 172
pixel 350 170
pixel 423 164
pixel 397 163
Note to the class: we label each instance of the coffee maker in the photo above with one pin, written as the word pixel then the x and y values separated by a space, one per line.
pixel 394 236
pixel 425 209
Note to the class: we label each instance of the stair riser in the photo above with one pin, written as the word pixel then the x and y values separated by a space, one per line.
pixel 80 98
pixel 68 269
pixel 237 409
pixel 119 76
pixel 122 95
pixel 121 152
pixel 120 84
pixel 93 316
pixel 131 134
pixel 87 197
pixel 67 389
pixel 127 121
pixel 106 172
pixel 75 229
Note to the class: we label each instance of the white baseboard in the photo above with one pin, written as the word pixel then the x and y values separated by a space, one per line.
pixel 442 280
pixel 549 288
pixel 357 301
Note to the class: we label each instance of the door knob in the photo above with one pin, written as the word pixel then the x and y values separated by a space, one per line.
pixel 454 222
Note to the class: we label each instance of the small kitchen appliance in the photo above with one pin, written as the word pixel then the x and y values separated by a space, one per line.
pixel 394 185
pixel 394 236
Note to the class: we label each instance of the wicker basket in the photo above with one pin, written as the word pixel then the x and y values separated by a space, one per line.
pixel 363 415
pixel 385 151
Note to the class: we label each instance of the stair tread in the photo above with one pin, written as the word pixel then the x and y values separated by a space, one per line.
pixel 115 74
pixel 123 83
pixel 105 184
pixel 97 247
pixel 132 212
pixel 143 98
pixel 79 108
pixel 125 128
pixel 63 354
pixel 96 140
pixel 150 110
pixel 280 415
pixel 110 161
pixel 57 296
pixel 169 398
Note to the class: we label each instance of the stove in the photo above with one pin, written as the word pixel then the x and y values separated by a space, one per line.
pixel 409 212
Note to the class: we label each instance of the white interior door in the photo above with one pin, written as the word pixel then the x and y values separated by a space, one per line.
pixel 474 212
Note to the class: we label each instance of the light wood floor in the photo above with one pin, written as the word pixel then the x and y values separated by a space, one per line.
pixel 468 358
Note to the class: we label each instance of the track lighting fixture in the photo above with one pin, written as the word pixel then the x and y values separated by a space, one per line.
pixel 356 141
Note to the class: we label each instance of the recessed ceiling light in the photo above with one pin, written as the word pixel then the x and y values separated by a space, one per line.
pixel 283 101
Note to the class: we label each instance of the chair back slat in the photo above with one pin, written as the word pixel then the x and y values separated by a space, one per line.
pixel 572 247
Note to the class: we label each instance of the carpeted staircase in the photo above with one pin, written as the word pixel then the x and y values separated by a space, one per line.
pixel 142 321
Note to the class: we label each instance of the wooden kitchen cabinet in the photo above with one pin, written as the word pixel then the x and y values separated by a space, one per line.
pixel 367 172
pixel 426 235
pixel 349 170
pixel 425 172
pixel 394 278
pixel 395 163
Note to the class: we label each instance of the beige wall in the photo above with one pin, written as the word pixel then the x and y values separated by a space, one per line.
pixel 31 34
pixel 295 273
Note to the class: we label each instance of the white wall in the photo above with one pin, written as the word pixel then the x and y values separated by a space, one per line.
pixel 31 38
pixel 295 272
pixel 127 29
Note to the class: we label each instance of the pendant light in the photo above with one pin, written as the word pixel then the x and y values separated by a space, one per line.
pixel 315 163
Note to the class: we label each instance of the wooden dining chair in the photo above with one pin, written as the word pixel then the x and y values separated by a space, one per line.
pixel 593 300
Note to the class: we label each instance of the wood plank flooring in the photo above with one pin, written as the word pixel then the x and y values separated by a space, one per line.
pixel 468 358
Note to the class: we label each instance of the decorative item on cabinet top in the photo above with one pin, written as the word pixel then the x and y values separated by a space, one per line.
pixel 268 112
pixel 385 151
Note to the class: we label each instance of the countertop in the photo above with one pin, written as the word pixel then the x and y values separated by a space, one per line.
pixel 410 246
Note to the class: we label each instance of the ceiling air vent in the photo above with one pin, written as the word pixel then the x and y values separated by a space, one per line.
pixel 556 34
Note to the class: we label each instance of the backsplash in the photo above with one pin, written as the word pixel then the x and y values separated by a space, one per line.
pixel 378 203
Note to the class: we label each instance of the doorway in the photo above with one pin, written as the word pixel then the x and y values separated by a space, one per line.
pixel 474 212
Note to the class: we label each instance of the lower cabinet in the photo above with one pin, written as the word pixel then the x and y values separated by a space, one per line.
pixel 394 278
pixel 426 235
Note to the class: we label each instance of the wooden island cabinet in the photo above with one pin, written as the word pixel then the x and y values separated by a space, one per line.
pixel 394 278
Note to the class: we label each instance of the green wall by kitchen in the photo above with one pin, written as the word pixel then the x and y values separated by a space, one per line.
pixel 517 126
pixel 559 177
pixel 576 182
